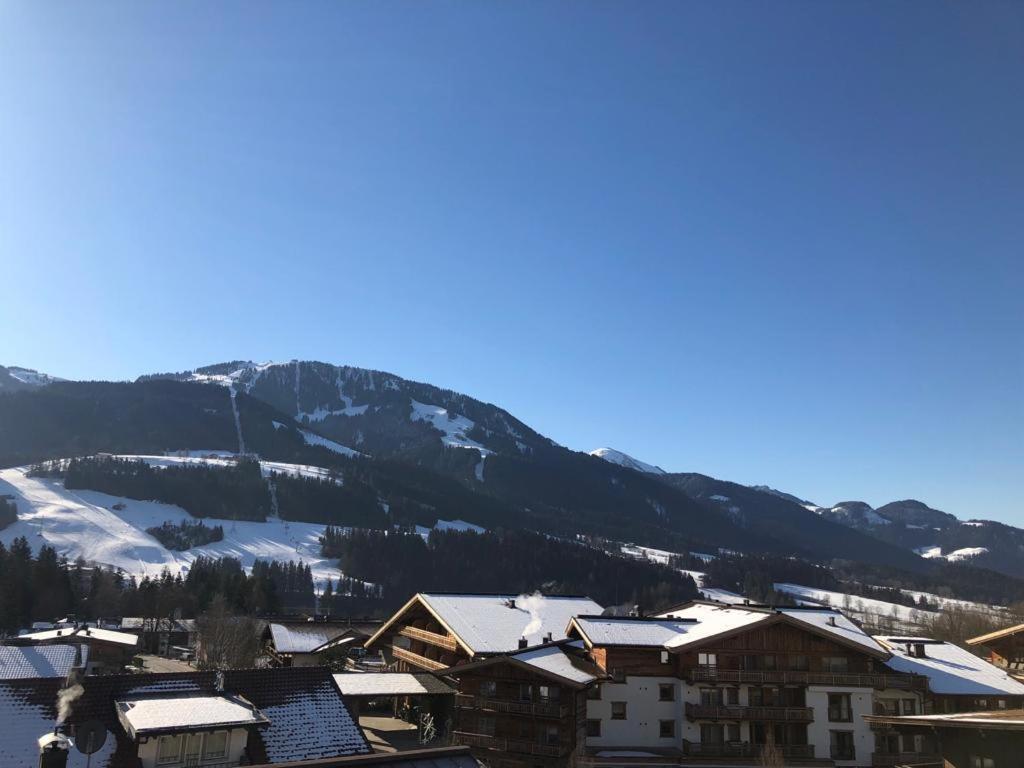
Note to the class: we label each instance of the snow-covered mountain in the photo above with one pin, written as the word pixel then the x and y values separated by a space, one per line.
pixel 625 460
pixel 14 378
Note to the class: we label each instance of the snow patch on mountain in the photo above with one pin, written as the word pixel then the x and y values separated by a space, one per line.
pixel 625 460
pixel 311 438
pixel 452 426
pixel 86 524
pixel 957 555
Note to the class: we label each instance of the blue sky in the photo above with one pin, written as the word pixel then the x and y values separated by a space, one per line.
pixel 773 242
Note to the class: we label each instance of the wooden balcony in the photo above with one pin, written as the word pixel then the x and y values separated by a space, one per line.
pixel 794 677
pixel 416 660
pixel 430 638
pixel 745 749
pixel 511 707
pixel 736 712
pixel 895 759
pixel 509 746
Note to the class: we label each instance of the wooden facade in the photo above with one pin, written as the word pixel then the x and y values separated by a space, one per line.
pixel 417 641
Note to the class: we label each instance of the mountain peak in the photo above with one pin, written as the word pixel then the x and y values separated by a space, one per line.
pixel 625 460
pixel 15 377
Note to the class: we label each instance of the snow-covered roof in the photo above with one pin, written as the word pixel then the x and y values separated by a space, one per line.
pixel 390 684
pixel 710 620
pixel 305 637
pixel 950 669
pixel 831 622
pixel 36 661
pixel 494 623
pixel 613 630
pixel 83 635
pixel 552 659
pixel 999 719
pixel 183 713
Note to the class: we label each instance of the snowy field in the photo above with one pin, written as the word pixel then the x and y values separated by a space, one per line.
pixel 266 467
pixel 83 524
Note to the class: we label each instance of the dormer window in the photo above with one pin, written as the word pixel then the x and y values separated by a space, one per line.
pixel 168 750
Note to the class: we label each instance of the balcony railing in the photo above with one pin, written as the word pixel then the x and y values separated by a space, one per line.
pixel 415 659
pixel 745 749
pixel 508 706
pixel 507 746
pixel 894 759
pixel 795 677
pixel 736 712
pixel 431 638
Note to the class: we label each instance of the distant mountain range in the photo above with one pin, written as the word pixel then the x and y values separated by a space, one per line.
pixel 434 454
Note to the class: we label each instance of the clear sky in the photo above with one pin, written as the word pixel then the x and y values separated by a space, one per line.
pixel 775 242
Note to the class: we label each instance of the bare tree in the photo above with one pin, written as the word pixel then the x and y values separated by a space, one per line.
pixel 227 641
pixel 771 755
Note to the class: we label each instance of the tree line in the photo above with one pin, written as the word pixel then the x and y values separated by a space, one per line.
pixel 47 587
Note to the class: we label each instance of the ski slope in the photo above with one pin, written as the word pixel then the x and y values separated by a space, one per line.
pixel 84 524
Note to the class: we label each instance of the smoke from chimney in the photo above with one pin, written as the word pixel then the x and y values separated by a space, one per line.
pixel 534 604
pixel 66 698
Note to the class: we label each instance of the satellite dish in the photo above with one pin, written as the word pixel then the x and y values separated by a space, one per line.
pixel 90 737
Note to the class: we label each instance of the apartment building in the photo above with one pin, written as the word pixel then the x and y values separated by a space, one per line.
pixel 706 681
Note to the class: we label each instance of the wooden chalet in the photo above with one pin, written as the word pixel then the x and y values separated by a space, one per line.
pixel 1005 647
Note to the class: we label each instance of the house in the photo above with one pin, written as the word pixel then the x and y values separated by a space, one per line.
pixel 1005 647
pixel 707 681
pixel 314 642
pixel 109 651
pixel 958 681
pixel 525 708
pixel 435 631
pixel 43 661
pixel 984 739
pixel 162 636
pixel 255 716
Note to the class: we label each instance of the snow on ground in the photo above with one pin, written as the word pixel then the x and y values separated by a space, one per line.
pixel 84 524
pixel 311 438
pixel 721 595
pixel 955 556
pixel 454 426
pixel 854 603
pixel 267 467
pixel 449 525
pixel 660 556
pixel 625 460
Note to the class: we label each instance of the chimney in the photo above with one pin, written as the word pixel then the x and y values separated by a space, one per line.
pixel 510 603
pixel 919 650
pixel 831 621
pixel 523 643
pixel 53 750
pixel 547 638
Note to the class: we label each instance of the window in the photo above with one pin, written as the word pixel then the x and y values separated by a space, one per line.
pixel 618 710
pixel 551 736
pixel 841 743
pixel 485 725
pixel 548 692
pixel 168 750
pixel 215 745
pixel 799 663
pixel 982 762
pixel 488 689
pixel 731 696
pixel 594 693
pixel 666 692
pixel 711 734
pixel 838 664
pixel 707 659
pixel 618 674
pixel 839 708
pixel 908 706
pixel 594 728
pixel 664 657
pixel 667 729
pixel 888 707
pixel 525 692
pixel 1002 703
pixel 732 731
pixel 711 696
pixel 193 747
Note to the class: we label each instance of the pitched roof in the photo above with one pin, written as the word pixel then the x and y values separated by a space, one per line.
pixel 494 623
pixel 631 631
pixel 950 669
pixel 487 624
pixel 561 660
pixel 158 714
pixel 837 625
pixel 308 718
pixel 390 684
pixel 304 637
pixel 999 634
pixel 436 757
pixel 37 661
pixel 80 635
